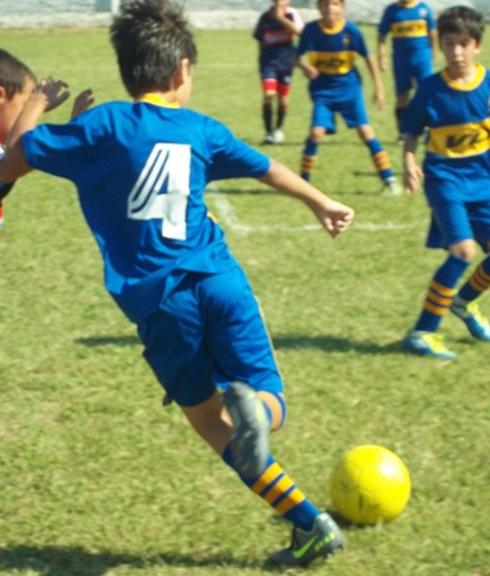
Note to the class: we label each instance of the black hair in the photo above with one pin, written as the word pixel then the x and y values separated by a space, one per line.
pixel 13 74
pixel 150 38
pixel 461 19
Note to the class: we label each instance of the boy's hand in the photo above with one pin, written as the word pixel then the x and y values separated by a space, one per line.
pixel 53 91
pixel 412 177
pixel 412 174
pixel 334 216
pixel 309 71
pixel 382 63
pixel 82 102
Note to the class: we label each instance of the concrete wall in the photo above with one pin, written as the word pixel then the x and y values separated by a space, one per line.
pixel 202 13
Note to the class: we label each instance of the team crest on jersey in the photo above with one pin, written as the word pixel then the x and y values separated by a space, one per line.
pixel 423 12
pixel 347 40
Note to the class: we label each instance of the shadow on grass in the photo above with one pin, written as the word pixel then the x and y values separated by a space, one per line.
pixel 93 341
pixel 330 343
pixel 372 173
pixel 76 561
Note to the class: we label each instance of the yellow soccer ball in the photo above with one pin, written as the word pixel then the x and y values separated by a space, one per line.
pixel 370 484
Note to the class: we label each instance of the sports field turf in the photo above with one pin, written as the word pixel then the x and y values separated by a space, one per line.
pixel 96 479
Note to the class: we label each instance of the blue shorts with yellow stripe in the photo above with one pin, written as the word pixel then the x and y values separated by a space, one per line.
pixel 455 221
pixel 352 111
pixel 208 333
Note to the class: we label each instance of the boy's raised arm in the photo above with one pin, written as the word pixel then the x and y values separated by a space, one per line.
pixel 294 27
pixel 333 216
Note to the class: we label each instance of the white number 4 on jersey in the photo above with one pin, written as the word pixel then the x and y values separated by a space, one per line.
pixel 162 189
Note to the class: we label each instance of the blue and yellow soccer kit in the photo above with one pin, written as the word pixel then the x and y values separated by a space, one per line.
pixel 338 88
pixel 141 170
pixel 410 26
pixel 457 160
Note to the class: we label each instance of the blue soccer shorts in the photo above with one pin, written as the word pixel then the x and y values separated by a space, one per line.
pixel 282 77
pixel 208 333
pixel 352 111
pixel 407 74
pixel 453 222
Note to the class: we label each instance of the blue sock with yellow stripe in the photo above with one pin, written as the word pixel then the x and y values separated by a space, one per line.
pixel 380 159
pixel 441 293
pixel 276 488
pixel 309 159
pixel 477 283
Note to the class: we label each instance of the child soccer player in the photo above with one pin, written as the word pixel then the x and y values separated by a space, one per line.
pixel 275 32
pixel 141 169
pixel 454 106
pixel 331 45
pixel 412 28
pixel 16 85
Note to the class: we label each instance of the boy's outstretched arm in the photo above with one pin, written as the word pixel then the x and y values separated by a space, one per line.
pixel 48 95
pixel 333 216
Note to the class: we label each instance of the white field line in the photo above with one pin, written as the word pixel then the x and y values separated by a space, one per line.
pixel 227 215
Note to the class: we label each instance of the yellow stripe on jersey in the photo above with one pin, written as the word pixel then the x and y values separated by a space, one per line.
pixel 332 62
pixel 409 29
pixel 460 140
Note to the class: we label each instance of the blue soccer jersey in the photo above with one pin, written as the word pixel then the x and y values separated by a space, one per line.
pixel 457 160
pixel 333 52
pixel 141 170
pixel 409 27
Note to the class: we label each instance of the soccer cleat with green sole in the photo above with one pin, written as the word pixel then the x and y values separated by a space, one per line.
pixel 476 323
pixel 250 441
pixel 427 344
pixel 324 539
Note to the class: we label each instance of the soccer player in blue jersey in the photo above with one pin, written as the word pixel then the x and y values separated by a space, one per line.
pixel 454 105
pixel 413 33
pixel 141 169
pixel 275 32
pixel 331 45
pixel 16 84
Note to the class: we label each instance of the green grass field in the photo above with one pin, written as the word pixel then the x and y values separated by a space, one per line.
pixel 96 479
